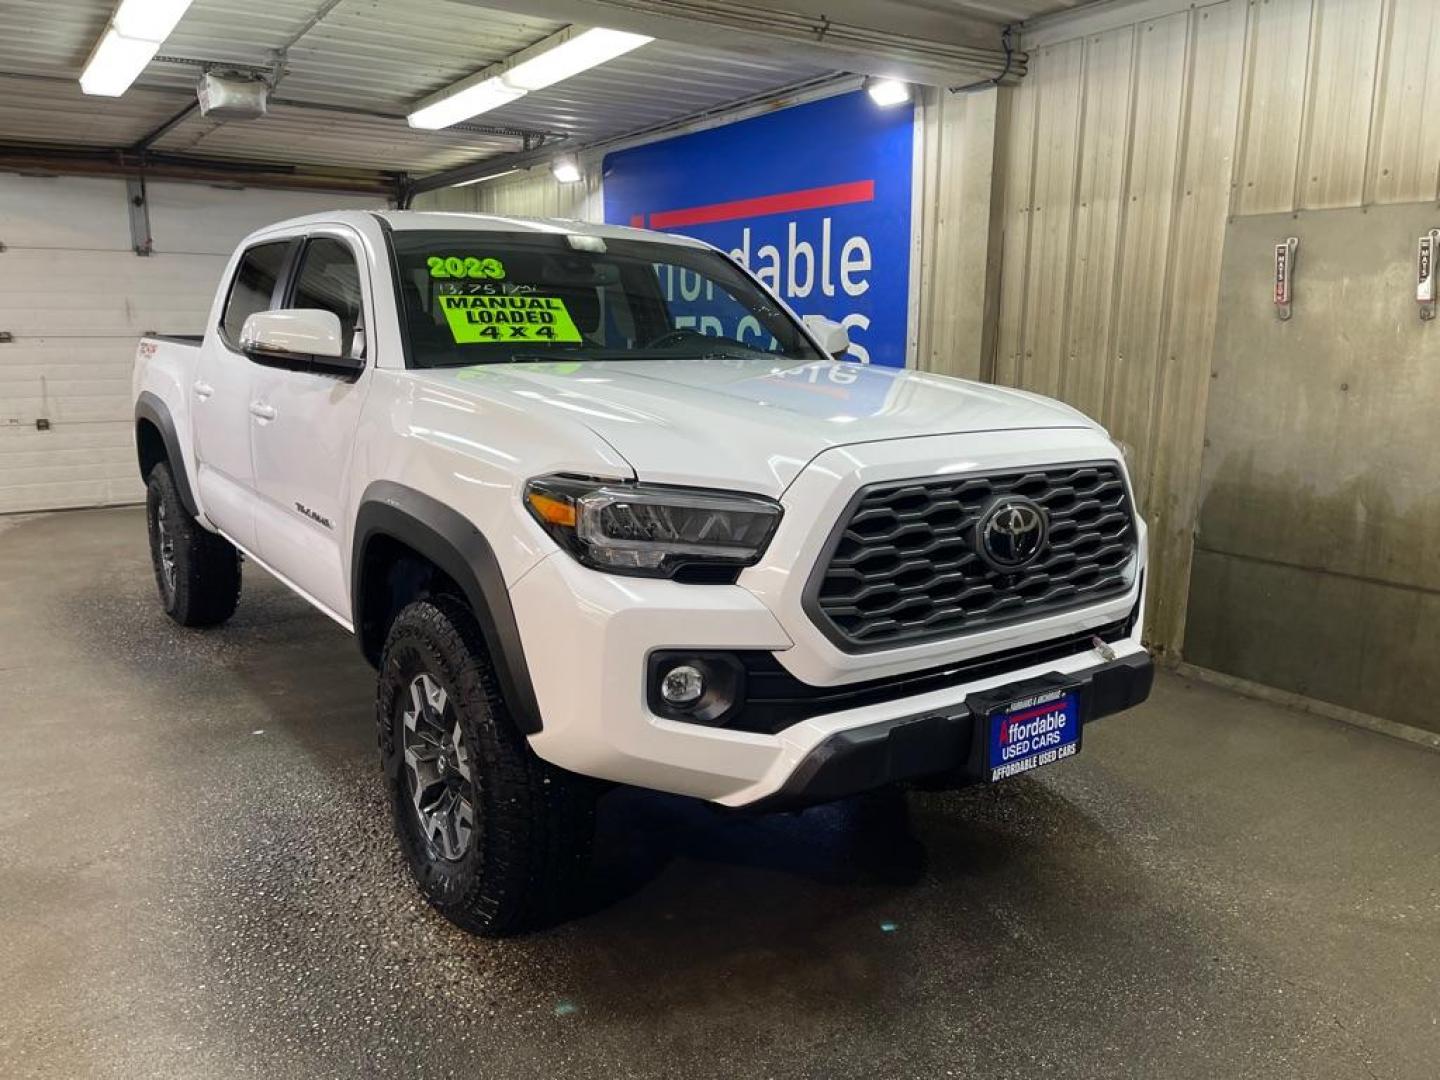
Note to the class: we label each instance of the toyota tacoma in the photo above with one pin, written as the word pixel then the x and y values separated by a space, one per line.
pixel 599 508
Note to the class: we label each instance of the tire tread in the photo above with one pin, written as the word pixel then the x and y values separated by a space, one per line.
pixel 536 821
pixel 207 566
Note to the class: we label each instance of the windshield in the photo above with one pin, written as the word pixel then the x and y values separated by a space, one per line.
pixel 470 297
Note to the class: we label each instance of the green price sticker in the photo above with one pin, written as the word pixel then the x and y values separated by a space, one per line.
pixel 508 318
pixel 453 266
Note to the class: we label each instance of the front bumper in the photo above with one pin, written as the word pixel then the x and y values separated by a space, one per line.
pixel 588 636
pixel 943 742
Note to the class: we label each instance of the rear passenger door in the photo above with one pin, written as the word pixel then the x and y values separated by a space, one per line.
pixel 303 429
pixel 221 394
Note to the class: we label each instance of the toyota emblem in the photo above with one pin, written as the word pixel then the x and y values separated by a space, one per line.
pixel 1012 533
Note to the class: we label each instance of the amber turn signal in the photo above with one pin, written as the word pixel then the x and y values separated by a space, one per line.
pixel 552 510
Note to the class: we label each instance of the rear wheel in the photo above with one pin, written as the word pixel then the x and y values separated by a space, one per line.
pixel 196 571
pixel 497 839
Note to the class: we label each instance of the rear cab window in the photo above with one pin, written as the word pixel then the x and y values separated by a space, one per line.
pixel 253 287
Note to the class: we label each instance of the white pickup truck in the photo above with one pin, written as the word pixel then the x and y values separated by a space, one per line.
pixel 599 507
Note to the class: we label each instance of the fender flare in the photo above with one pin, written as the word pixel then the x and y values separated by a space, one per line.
pixel 150 407
pixel 453 543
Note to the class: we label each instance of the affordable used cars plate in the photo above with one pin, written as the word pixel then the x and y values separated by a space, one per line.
pixel 1037 730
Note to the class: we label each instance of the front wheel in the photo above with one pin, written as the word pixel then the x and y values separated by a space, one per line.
pixel 196 571
pixel 497 839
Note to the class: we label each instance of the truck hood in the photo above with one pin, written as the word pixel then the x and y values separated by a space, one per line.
pixel 748 424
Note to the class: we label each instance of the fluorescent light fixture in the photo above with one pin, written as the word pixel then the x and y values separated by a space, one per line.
pixel 135 34
pixel 887 92
pixel 116 62
pixel 482 97
pixel 558 57
pixel 565 170
pixel 149 20
pixel 582 52
pixel 489 176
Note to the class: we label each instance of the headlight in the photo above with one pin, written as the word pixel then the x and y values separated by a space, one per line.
pixel 650 530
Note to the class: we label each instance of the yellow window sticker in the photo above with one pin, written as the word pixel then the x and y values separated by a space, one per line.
pixel 508 318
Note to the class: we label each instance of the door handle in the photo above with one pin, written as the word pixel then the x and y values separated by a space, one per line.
pixel 203 391
pixel 262 411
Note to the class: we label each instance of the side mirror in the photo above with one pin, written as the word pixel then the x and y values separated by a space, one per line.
pixel 833 337
pixel 299 337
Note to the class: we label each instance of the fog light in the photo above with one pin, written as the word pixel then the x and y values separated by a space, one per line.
pixel 682 685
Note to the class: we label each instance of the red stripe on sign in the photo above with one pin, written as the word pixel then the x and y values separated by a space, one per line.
pixel 1038 710
pixel 857 191
pixel 637 221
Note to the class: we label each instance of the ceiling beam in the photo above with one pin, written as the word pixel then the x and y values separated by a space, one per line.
pixel 520 134
pixel 93 161
pixel 868 37
pixel 160 131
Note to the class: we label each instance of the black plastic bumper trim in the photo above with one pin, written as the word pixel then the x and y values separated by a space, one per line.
pixel 944 741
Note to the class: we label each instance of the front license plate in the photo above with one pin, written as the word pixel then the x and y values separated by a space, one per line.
pixel 1037 730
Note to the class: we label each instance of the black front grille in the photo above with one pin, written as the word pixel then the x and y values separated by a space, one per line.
pixel 904 565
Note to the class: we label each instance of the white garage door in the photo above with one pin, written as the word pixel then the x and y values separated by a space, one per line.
pixel 74 299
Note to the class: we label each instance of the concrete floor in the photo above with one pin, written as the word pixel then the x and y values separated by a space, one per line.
pixel 197 879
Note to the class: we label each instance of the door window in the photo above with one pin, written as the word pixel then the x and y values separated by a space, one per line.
pixel 329 279
pixel 254 285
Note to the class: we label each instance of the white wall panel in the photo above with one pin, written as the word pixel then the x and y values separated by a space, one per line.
pixel 199 219
pixel 77 213
pixel 535 193
pixel 76 298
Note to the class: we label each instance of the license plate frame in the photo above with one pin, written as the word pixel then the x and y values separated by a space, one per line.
pixel 1048 721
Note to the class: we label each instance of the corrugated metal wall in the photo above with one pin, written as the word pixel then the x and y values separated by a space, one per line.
pixel 959 233
pixel 1124 151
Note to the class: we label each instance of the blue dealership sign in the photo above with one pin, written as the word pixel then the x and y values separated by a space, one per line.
pixel 815 200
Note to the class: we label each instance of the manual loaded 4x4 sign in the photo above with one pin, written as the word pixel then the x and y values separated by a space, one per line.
pixel 508 318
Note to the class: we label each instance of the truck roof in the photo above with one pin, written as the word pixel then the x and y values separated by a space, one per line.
pixel 405 220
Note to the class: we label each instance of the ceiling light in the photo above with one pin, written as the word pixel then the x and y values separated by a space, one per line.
pixel 488 176
pixel 552 60
pixel 565 170
pixel 887 92
pixel 115 63
pixel 149 20
pixel 481 97
pixel 134 36
pixel 582 52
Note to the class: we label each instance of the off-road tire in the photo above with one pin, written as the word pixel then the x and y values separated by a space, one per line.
pixel 524 862
pixel 198 574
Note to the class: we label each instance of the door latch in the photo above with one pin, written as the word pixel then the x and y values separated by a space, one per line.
pixel 1284 272
pixel 1425 253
